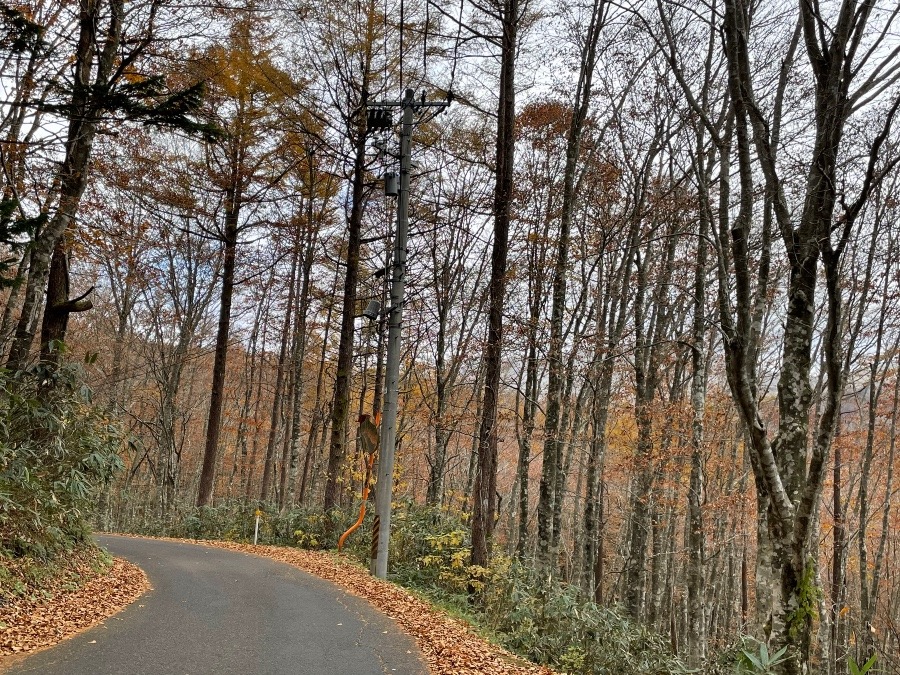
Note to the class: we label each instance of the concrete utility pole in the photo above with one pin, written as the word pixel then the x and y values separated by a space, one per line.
pixel 394 313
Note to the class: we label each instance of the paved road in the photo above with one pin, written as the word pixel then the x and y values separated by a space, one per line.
pixel 225 613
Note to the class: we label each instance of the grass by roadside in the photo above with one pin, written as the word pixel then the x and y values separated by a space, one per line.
pixel 44 602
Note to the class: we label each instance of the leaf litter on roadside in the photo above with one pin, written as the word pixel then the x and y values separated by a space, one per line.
pixel 66 603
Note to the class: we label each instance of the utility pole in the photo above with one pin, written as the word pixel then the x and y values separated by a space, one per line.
pixel 394 313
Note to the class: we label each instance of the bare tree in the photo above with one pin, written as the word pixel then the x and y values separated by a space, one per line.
pixel 509 16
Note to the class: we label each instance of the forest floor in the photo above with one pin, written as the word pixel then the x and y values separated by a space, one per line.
pixel 42 604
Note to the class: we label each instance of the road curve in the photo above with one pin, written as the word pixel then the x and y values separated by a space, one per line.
pixel 225 613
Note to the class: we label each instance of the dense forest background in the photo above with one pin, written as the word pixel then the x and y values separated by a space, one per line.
pixel 652 327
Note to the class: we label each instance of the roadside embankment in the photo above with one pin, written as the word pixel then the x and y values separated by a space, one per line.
pixel 44 603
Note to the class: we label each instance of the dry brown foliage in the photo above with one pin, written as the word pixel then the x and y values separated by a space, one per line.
pixel 66 603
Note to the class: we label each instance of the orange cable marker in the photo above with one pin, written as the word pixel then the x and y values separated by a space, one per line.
pixel 368 434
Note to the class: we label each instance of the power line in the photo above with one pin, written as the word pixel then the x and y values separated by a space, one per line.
pixel 425 43
pixel 462 4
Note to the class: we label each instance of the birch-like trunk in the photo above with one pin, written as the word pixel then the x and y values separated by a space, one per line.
pixel 277 416
pixel 555 371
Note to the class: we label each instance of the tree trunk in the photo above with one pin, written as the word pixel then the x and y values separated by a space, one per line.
pixel 298 354
pixel 58 306
pixel 7 324
pixel 650 332
pixel 484 501
pixel 217 390
pixel 319 412
pixel 438 461
pixel 277 408
pixel 696 636
pixel 791 477
pixel 340 411
pixel 529 407
pixel 73 173
pixel 250 358
pixel 555 380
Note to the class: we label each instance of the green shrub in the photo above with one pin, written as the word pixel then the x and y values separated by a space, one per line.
pixel 856 669
pixel 548 622
pixel 430 550
pixel 745 656
pixel 755 658
pixel 539 618
pixel 57 451
pixel 235 520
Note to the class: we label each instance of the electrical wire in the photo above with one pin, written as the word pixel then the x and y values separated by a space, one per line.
pixel 384 65
pixel 425 43
pixel 462 4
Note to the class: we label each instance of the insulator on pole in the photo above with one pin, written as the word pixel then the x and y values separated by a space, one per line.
pixel 378 119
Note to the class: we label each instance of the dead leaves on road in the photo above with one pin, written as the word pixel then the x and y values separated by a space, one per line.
pixel 66 604
pixel 449 646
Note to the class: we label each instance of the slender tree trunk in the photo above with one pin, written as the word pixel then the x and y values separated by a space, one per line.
pixel 529 408
pixel 649 332
pixel 611 324
pixel 7 324
pixel 319 411
pixel 875 588
pixel 298 356
pixel 239 469
pixel 340 411
pixel 217 390
pixel 484 501
pixel 277 408
pixel 441 427
pixel 555 380
pixel 696 637
pixel 473 451
pixel 574 433
pixel 639 524
pixel 247 479
pixel 280 472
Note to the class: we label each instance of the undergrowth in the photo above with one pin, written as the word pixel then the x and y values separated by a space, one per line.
pixel 39 579
pixel 57 451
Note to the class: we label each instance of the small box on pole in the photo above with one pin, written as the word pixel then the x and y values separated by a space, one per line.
pixel 391 186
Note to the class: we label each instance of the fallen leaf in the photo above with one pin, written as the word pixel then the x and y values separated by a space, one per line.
pixel 69 603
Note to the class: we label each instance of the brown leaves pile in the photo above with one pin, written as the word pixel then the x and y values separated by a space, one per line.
pixel 449 646
pixel 43 616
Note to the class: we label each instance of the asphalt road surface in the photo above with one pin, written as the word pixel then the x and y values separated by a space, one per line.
pixel 225 613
